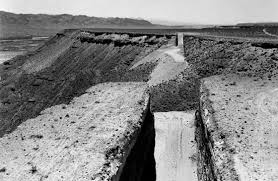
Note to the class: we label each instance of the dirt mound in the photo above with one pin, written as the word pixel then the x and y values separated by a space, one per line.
pixel 65 67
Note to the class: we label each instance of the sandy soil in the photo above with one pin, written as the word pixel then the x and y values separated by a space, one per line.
pixel 175 148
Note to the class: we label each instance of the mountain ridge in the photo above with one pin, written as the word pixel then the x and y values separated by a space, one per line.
pixel 63 19
pixel 17 25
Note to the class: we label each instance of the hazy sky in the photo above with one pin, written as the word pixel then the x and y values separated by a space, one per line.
pixel 188 11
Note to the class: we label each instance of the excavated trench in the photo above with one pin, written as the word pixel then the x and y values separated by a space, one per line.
pixel 67 65
pixel 206 58
pixel 36 81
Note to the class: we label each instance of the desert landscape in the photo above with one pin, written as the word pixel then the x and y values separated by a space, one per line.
pixel 122 99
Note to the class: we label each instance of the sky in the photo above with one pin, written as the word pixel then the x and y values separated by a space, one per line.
pixel 182 11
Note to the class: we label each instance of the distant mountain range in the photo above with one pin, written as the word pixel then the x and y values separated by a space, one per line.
pixel 7 18
pixel 43 24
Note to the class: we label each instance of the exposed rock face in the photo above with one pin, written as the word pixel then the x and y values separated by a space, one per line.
pixel 65 67
pixel 89 139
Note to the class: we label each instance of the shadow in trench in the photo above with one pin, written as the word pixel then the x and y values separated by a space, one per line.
pixel 140 164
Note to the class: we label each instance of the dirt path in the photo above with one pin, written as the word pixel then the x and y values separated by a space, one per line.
pixel 269 34
pixel 175 146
